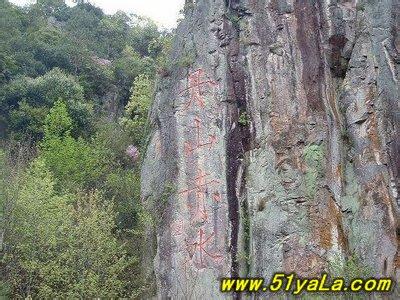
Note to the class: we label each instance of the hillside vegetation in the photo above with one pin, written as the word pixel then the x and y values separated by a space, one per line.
pixel 75 89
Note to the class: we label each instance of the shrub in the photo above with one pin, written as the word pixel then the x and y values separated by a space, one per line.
pixel 137 109
pixel 63 246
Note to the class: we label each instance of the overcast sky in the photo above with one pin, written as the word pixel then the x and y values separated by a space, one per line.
pixel 163 12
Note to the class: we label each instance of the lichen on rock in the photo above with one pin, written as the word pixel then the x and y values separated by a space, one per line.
pixel 314 159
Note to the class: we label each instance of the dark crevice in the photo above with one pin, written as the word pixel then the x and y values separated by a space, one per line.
pixel 238 136
pixel 338 63
pixel 246 230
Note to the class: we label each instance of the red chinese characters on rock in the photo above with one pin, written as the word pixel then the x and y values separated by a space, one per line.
pixel 201 245
pixel 200 189
pixel 197 86
pixel 199 144
pixel 201 250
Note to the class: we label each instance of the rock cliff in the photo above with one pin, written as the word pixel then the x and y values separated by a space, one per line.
pixel 275 143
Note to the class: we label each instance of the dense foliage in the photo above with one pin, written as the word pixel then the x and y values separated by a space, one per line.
pixel 75 89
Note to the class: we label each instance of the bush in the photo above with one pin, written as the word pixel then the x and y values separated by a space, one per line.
pixel 27 102
pixel 75 163
pixel 63 246
pixel 137 109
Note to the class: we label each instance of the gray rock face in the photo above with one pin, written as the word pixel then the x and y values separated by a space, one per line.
pixel 275 143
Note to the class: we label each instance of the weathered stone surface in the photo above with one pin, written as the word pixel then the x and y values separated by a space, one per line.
pixel 276 143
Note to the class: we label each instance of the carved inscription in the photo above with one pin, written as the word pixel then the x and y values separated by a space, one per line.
pixel 202 192
pixel 195 91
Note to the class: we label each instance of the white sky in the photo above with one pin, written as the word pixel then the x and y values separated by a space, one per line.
pixel 163 12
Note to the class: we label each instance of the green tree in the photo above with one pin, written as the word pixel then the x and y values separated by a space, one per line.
pixel 47 8
pixel 37 215
pixel 84 24
pixel 58 123
pixel 25 102
pixel 52 46
pixel 143 33
pixel 74 162
pixel 99 260
pixel 137 109
pixel 161 50
pixel 113 30
pixel 127 67
pixel 14 57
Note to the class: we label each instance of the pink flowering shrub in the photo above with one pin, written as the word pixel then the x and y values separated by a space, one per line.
pixel 133 152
